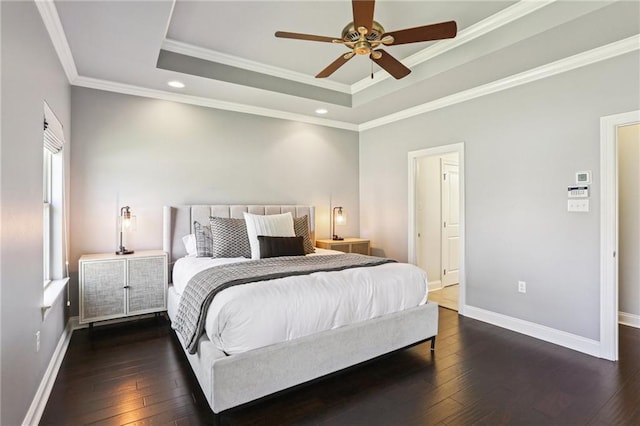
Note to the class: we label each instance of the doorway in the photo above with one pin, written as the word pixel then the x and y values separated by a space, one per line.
pixel 610 127
pixel 436 222
pixel 629 225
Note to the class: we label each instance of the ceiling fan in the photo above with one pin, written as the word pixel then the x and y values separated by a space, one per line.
pixel 363 36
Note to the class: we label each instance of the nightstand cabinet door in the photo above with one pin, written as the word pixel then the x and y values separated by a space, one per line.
pixel 102 289
pixel 147 285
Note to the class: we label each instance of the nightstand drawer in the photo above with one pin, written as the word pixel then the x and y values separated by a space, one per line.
pixel 348 245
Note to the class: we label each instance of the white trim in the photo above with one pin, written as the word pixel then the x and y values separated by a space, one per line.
pixel 435 285
pixel 551 335
pixel 589 57
pixel 51 20
pixel 52 291
pixel 54 27
pixel 631 320
pixel 110 86
pixel 487 25
pixel 609 230
pixel 46 384
pixel 235 61
pixel 411 228
pixel 169 18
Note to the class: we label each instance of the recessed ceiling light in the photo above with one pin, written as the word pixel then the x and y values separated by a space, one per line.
pixel 322 111
pixel 176 84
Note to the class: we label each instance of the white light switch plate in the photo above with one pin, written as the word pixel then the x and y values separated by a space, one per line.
pixel 578 205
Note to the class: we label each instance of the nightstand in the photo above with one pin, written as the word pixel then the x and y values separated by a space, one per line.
pixel 113 286
pixel 348 245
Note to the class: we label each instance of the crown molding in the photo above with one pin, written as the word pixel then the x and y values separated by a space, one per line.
pixel 487 25
pixel 588 57
pixel 52 23
pixel 127 89
pixel 235 61
pixel 51 20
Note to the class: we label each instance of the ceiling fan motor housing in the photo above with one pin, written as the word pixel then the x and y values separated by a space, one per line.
pixel 350 32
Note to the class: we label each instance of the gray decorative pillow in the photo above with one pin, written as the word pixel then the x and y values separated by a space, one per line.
pixel 301 229
pixel 280 246
pixel 230 237
pixel 204 242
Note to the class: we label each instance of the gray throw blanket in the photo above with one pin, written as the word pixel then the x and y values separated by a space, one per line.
pixel 201 289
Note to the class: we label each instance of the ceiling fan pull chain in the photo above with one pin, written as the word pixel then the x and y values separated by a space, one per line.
pixel 371 70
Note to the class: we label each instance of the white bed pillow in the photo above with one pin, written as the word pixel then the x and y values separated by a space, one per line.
pixel 189 242
pixel 275 225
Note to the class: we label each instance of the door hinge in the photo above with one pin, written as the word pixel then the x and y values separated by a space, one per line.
pixel 444 225
pixel 444 176
pixel 444 272
pixel 614 254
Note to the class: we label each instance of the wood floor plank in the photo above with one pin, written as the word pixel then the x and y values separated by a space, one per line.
pixel 136 374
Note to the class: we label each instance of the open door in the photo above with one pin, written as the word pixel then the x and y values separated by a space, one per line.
pixel 450 232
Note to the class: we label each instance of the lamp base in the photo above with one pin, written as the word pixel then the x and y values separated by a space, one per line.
pixel 336 238
pixel 124 251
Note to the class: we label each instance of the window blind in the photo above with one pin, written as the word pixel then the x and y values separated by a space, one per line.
pixel 53 135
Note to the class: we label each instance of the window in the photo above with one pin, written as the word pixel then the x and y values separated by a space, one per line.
pixel 53 214
pixel 46 217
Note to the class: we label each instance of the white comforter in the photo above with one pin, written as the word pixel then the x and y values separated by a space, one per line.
pixel 254 315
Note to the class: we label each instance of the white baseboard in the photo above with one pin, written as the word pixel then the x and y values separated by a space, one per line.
pixel 46 385
pixel 435 285
pixel 631 320
pixel 548 334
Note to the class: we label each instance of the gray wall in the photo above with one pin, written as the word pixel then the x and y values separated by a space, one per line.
pixel 522 149
pixel 31 73
pixel 147 153
pixel 629 216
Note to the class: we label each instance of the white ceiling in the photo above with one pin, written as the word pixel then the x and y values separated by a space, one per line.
pixel 226 53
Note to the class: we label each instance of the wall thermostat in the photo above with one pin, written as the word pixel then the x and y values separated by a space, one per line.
pixel 583 177
pixel 578 191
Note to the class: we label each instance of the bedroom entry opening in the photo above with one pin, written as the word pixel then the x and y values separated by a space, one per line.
pixel 619 242
pixel 436 222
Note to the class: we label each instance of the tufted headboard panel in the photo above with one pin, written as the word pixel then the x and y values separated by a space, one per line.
pixel 178 220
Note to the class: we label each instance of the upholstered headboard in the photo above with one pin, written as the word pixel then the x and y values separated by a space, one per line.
pixel 178 221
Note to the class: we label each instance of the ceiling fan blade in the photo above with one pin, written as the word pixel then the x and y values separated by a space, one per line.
pixel 335 65
pixel 390 64
pixel 425 33
pixel 363 13
pixel 310 37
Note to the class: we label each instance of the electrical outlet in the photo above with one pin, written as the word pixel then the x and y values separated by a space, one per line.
pixel 38 341
pixel 522 287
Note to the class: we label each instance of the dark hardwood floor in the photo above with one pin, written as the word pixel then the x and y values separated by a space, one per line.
pixel 135 373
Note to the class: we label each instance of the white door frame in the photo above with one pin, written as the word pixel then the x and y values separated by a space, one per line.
pixel 413 157
pixel 609 230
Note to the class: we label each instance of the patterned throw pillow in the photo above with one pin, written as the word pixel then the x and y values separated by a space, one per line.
pixel 204 242
pixel 301 228
pixel 229 237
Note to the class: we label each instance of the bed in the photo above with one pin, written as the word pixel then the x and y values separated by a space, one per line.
pixel 238 373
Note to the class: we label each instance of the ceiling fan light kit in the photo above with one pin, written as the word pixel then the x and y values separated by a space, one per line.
pixel 364 35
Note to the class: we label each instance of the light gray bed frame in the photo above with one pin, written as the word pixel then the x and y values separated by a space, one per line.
pixel 229 381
